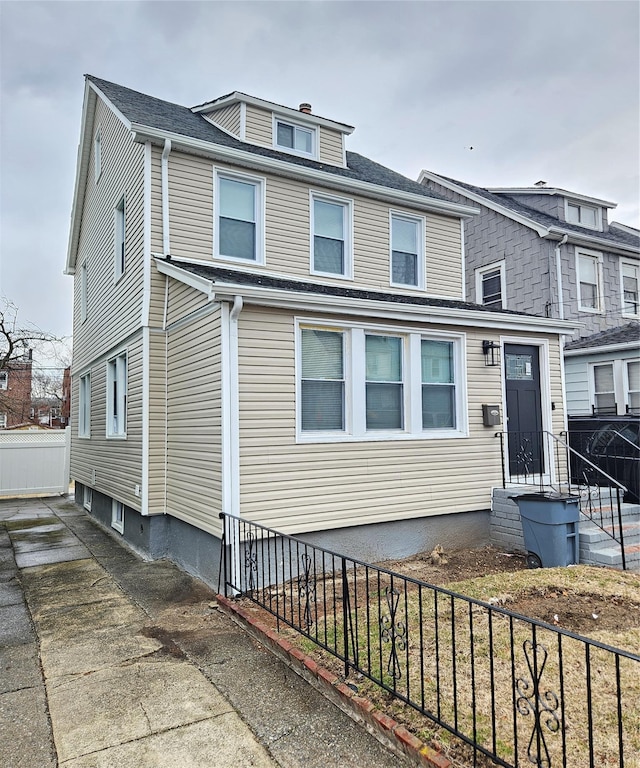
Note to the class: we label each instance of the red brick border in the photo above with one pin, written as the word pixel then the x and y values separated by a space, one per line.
pixel 384 728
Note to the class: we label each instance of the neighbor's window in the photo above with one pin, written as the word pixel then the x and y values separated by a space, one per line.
pixel 633 387
pixel 295 138
pixel 604 399
pixel 120 236
pixel 239 216
pixel 490 285
pixel 589 291
pixel 585 215
pixel 84 406
pixel 406 250
pixel 357 384
pixel 331 227
pixel 630 278
pixel 4 379
pixel 117 396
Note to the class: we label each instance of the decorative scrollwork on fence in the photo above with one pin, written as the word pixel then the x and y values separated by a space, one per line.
pixel 543 705
pixel 307 588
pixel 394 632
pixel 251 561
pixel 524 457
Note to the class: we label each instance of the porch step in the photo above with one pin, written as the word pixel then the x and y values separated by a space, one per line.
pixel 598 548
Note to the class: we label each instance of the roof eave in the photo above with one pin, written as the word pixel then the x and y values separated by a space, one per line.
pixel 144 133
pixel 551 191
pixel 597 243
pixel 605 348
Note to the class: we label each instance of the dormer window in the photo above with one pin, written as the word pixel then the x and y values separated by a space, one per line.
pixel 584 215
pixel 297 139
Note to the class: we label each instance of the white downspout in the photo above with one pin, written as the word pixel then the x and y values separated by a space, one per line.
pixel 559 277
pixel 166 241
pixel 232 412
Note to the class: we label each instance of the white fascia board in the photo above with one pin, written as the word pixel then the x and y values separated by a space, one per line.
pixel 591 242
pixel 144 133
pixel 542 231
pixel 294 114
pixel 188 278
pixel 551 191
pixel 624 228
pixel 606 348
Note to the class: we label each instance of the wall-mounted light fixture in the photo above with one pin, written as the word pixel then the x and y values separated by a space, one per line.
pixel 491 352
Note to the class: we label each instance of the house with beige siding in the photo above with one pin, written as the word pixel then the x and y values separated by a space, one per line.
pixel 273 327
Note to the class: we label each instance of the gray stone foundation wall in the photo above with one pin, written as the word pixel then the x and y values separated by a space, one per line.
pixel 505 526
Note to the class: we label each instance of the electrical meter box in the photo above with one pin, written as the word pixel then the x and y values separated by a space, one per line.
pixel 491 415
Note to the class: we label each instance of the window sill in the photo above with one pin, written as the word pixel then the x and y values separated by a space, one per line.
pixel 296 152
pixel 377 437
pixel 408 287
pixel 333 275
pixel 117 437
pixel 238 260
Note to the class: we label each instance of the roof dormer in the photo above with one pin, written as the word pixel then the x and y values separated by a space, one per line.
pixel 292 131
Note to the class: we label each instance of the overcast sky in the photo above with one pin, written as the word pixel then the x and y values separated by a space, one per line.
pixel 492 93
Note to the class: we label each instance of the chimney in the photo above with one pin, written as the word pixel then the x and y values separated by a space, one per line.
pixel 306 108
pixel 540 184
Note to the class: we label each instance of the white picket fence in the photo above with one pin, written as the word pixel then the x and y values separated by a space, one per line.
pixel 34 462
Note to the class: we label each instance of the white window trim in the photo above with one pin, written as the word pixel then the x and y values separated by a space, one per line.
pixel 348 233
pixel 597 256
pixel 422 226
pixel 97 154
pixel 354 373
pixel 259 183
pixel 120 238
pixel 122 395
pixel 313 130
pixel 4 380
pixel 117 515
pixel 620 382
pixel 84 406
pixel 635 265
pixel 84 295
pixel 87 498
pixel 596 208
pixel 481 271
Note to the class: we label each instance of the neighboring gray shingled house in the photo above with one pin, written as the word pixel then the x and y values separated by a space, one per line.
pixel 270 326
pixel 554 253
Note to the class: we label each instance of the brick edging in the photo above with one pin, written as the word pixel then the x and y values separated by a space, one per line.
pixel 387 730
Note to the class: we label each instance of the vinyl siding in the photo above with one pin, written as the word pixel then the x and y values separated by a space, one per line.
pixel 194 437
pixel 331 146
pixel 227 118
pixel 259 126
pixel 190 206
pixel 117 462
pixel 113 308
pixel 157 421
pixel 302 487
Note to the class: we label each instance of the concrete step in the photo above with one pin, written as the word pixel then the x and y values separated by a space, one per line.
pixel 590 533
pixel 611 556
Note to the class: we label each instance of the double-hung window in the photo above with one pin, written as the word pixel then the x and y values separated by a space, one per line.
pixel 630 277
pixel 120 237
pixel 331 236
pixel 490 285
pixel 359 382
pixel 84 406
pixel 297 139
pixel 407 249
pixel 604 395
pixel 589 283
pixel 239 218
pixel 117 396
pixel 633 387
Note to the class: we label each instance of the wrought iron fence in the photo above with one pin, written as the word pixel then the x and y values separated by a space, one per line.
pixel 544 460
pixel 515 690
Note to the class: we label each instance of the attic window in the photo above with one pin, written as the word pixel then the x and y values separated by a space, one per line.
pixel 584 215
pixel 296 139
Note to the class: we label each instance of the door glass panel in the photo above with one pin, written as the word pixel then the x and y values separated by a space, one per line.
pixel 519 367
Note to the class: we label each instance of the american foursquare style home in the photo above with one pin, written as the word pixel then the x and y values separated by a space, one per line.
pixel 268 325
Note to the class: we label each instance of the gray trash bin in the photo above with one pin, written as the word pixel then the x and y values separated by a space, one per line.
pixel 550 527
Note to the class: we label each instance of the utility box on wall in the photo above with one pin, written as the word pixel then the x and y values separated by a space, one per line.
pixel 491 415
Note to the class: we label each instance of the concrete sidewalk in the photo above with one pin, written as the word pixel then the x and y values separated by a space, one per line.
pixel 107 660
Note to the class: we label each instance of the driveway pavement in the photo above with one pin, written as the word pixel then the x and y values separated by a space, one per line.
pixel 108 660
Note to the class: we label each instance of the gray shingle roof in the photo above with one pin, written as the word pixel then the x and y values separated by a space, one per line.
pixel 628 333
pixel 506 201
pixel 164 115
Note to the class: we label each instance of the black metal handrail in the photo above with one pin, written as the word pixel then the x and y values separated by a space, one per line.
pixel 515 690
pixel 546 461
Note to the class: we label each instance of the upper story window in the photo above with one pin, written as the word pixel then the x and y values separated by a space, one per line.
pixel 584 215
pixel 120 237
pixel 630 277
pixel 490 285
pixel 588 270
pixel 407 249
pixel 239 216
pixel 117 396
pixel 331 236
pixel 97 154
pixel 4 379
pixel 297 139
pixel 84 406
pixel 363 383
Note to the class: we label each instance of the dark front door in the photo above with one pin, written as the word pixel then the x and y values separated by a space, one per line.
pixel 524 409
